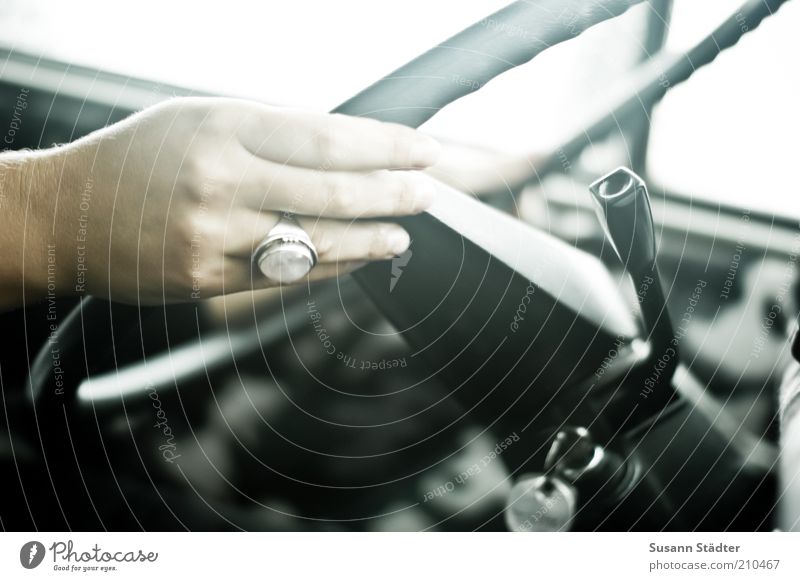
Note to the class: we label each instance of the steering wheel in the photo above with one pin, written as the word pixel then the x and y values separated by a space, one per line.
pixel 515 321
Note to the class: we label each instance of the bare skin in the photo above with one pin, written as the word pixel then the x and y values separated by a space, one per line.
pixel 169 204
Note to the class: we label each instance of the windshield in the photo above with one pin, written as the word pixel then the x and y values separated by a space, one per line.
pixel 725 135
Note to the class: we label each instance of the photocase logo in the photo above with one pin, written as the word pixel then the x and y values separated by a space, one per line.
pixel 398 264
pixel 31 554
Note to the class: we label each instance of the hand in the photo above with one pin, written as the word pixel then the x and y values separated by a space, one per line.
pixel 169 204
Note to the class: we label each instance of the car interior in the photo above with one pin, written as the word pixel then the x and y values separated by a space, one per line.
pixel 592 327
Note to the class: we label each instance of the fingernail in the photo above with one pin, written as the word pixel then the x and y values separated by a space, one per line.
pixel 398 240
pixel 425 151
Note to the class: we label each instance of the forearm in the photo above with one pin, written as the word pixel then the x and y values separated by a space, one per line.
pixel 35 191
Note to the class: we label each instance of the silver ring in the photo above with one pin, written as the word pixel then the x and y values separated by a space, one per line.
pixel 286 254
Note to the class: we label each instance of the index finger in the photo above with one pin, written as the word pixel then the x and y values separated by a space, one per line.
pixel 333 141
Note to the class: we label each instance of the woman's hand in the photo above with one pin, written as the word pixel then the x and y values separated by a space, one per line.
pixel 169 204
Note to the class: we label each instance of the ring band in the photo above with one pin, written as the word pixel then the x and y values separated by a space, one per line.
pixel 286 254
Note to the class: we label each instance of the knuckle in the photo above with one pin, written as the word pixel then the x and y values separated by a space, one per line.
pixel 221 177
pixel 402 195
pixel 400 149
pixel 340 197
pixel 330 146
pixel 193 172
pixel 378 244
pixel 396 193
pixel 203 181
pixel 387 192
pixel 188 112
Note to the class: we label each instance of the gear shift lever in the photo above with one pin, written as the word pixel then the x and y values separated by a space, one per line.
pixel 623 208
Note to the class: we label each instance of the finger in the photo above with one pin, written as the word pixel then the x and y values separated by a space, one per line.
pixel 321 272
pixel 269 186
pixel 338 241
pixel 332 142
pixel 334 240
pixel 245 229
pixel 244 278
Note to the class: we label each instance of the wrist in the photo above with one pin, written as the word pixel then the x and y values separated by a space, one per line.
pixel 20 266
pixel 39 191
